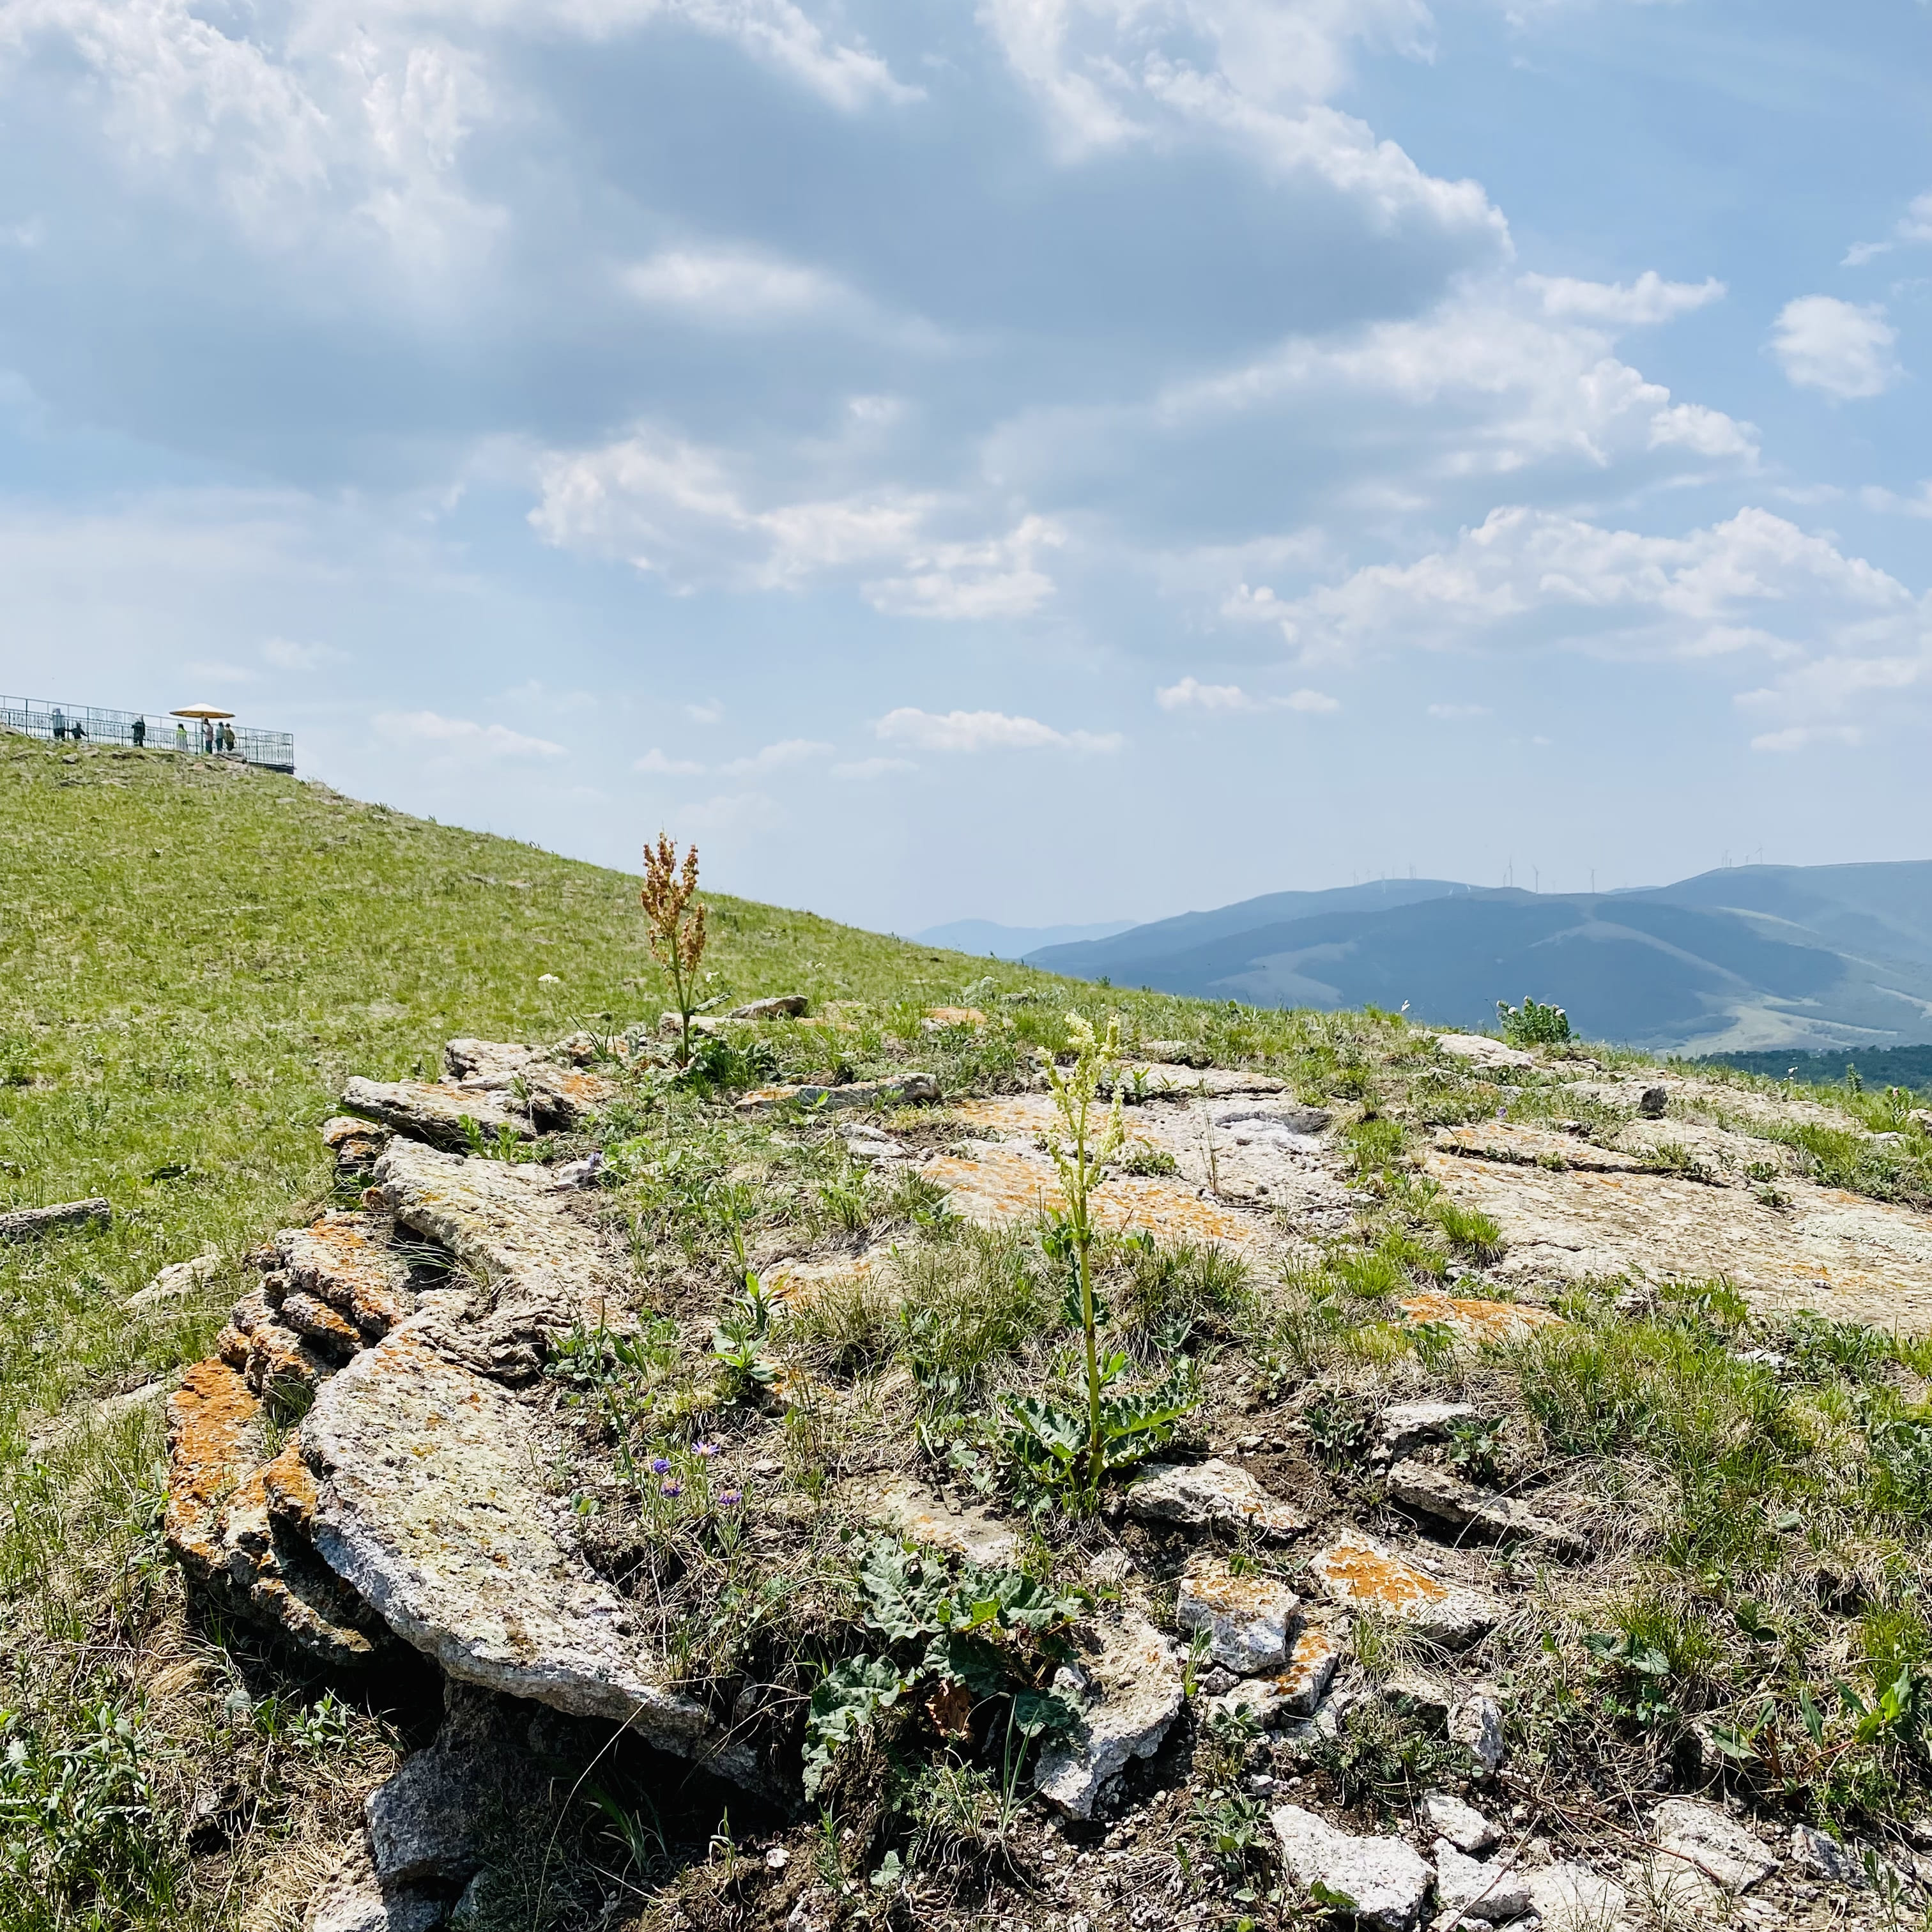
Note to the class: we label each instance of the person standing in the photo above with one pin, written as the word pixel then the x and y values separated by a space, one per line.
pixel 60 726
pixel 181 737
pixel 140 734
pixel 208 737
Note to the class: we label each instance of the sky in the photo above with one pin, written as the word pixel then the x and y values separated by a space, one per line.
pixel 1046 460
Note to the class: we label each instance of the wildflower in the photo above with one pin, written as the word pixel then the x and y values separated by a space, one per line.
pixel 730 1499
pixel 670 1486
pixel 660 1465
pixel 704 1448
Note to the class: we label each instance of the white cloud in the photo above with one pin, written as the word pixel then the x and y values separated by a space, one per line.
pixel 985 730
pixel 1617 593
pixel 285 654
pixel 461 737
pixel 1914 225
pixel 1191 694
pixel 1641 303
pixel 776 757
pixel 708 713
pixel 1459 711
pixel 1840 347
pixel 1797 737
pixel 1705 432
pixel 724 285
pixel 998 578
pixel 655 761
pixel 865 769
pixel 211 671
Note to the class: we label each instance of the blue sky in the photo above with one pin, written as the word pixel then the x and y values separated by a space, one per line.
pixel 1046 459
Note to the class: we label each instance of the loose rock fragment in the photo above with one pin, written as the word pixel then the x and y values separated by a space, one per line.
pixel 176 1282
pixel 1462 1824
pixel 1212 1495
pixel 1132 1693
pixel 1405 1424
pixel 1477 1724
pixel 1480 1051
pixel 909 1089
pixel 1820 1854
pixel 911 1510
pixel 1383 1881
pixel 1315 1649
pixel 427 1821
pixel 345 1260
pixel 1464 1885
pixel 1474 1322
pixel 27 1224
pixel 1571 1897
pixel 1361 1575
pixel 355 1144
pixel 1245 1617
pixel 1715 1842
pixel 1436 1492
pixel 353 1899
pixel 779 1007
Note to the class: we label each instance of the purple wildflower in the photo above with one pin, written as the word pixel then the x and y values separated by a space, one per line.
pixel 704 1448
pixel 730 1499
pixel 670 1486
pixel 660 1465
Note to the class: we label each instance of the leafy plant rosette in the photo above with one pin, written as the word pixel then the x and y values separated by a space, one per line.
pixel 963 1639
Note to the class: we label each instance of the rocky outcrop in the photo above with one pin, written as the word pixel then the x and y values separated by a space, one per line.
pixel 1382 1881
pixel 1359 1574
pixel 1431 1490
pixel 909 1089
pixel 1246 1618
pixel 1213 1495
pixel 27 1224
pixel 1128 1694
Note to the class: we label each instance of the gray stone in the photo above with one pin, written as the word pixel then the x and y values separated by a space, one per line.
pixel 27 1224
pixel 1245 1617
pixel 176 1282
pixel 443 1117
pixel 1463 1825
pixel 1820 1854
pixel 1359 1574
pixel 1405 1424
pixel 779 1007
pixel 1437 1492
pixel 910 1510
pixel 1209 1496
pixel 1383 1880
pixel 425 1822
pixel 431 1504
pixel 1464 1885
pixel 1715 1842
pixel 1571 1897
pixel 1132 1693
pixel 345 1261
pixel 1297 1689
pixel 1284 1117
pixel 1651 1102
pixel 908 1090
pixel 1477 1724
pixel 56 1435
pixel 1481 1052
pixel 1165 1081
pixel 353 1899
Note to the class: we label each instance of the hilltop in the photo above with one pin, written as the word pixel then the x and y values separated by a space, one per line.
pixel 488 1469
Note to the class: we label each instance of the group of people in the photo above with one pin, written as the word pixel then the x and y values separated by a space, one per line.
pixel 215 736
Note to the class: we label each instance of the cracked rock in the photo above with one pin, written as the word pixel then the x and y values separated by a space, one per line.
pixel 1361 1575
pixel 1720 1847
pixel 1405 1424
pixel 1209 1496
pixel 1383 1880
pixel 1464 1885
pixel 1245 1617
pixel 1132 1693
pixel 1462 1826
pixel 1571 1897
pixel 1434 1491
pixel 424 1821
pixel 1297 1689
pixel 353 1899
pixel 909 1089
pixel 1820 1854
pixel 1477 1724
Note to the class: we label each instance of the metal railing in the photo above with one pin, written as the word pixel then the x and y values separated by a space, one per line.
pixel 41 718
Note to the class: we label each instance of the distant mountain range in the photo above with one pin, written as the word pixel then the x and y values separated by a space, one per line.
pixel 1750 958
pixel 1012 942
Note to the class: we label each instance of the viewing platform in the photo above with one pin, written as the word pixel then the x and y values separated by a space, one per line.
pixel 202 729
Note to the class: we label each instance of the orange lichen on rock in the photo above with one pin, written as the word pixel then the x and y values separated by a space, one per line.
pixel 1473 1321
pixel 1359 1575
pixel 214 1437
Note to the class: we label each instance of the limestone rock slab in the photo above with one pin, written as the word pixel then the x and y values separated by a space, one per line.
pixel 1434 1491
pixel 443 1117
pixel 1474 1322
pixel 1214 1495
pixel 28 1224
pixel 1359 1574
pixel 1568 1896
pixel 911 1510
pixel 1315 1648
pixel 1384 1880
pixel 1464 1885
pixel 431 1504
pixel 353 1899
pixel 1463 1825
pixel 1404 1425
pixel 1475 1050
pixel 1132 1693
pixel 1246 1618
pixel 345 1260
pixel 1723 1849
pixel 908 1090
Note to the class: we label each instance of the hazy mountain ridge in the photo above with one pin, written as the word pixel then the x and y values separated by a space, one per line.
pixel 1747 959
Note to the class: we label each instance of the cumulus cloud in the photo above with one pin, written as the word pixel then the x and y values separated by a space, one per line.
pixel 1641 303
pixel 1913 226
pixel 734 286
pixel 655 762
pixel 1797 737
pixel 1191 694
pixel 776 757
pixel 986 731
pixel 998 578
pixel 461 737
pixel 1843 348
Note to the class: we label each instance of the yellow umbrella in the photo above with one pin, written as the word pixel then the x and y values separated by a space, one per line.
pixel 201 711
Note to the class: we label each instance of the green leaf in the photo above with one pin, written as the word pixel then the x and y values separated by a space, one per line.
pixel 844 1700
